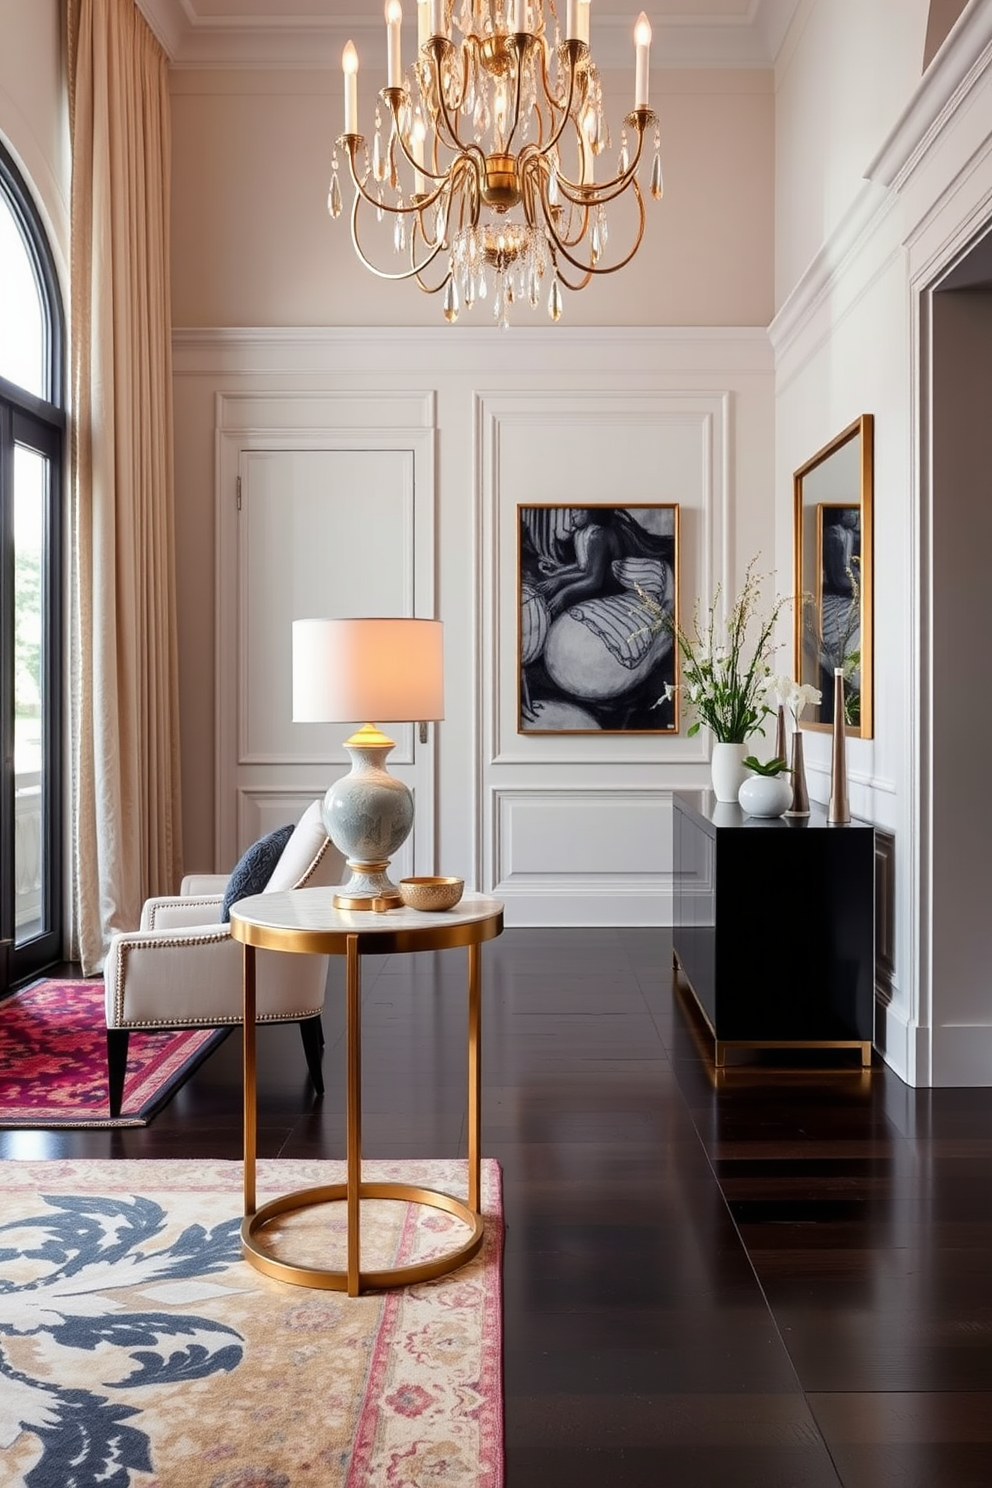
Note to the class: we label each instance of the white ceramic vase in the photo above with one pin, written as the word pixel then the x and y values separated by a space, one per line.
pixel 727 770
pixel 765 795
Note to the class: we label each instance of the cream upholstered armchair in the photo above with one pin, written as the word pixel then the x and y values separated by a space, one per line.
pixel 183 968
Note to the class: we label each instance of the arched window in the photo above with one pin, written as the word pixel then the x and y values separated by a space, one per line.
pixel 32 428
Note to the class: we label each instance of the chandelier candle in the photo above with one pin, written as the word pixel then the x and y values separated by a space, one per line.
pixel 482 170
pixel 394 57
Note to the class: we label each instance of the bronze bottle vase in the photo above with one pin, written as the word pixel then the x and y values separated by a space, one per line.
pixel 838 811
pixel 800 795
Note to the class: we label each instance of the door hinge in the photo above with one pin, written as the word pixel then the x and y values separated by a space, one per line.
pixel 239 493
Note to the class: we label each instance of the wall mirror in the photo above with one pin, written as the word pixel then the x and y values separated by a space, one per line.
pixel 833 569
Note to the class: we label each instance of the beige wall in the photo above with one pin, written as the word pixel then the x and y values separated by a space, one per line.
pixel 33 118
pixel 253 244
pixel 847 70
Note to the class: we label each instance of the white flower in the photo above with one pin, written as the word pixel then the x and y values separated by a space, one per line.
pixel 793 695
pixel 782 686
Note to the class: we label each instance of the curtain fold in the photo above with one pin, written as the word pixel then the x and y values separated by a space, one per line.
pixel 124 708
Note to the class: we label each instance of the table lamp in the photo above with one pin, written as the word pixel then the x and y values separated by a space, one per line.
pixel 391 671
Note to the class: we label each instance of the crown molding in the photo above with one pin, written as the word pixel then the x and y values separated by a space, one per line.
pixel 959 65
pixel 192 38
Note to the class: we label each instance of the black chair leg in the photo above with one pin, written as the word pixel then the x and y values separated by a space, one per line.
pixel 312 1036
pixel 117 1042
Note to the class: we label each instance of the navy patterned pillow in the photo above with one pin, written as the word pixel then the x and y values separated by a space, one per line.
pixel 254 869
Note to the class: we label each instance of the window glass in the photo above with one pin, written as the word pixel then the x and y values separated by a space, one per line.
pixel 22 317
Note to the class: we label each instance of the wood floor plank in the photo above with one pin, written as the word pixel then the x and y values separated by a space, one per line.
pixel 772 1276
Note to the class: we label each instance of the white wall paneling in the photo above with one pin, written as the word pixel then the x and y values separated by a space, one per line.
pixel 856 334
pixel 602 848
pixel 460 427
pixel 557 852
pixel 311 521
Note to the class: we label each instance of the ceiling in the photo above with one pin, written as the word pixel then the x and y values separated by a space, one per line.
pixel 309 33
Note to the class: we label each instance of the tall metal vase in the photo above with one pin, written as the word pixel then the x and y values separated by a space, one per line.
pixel 780 735
pixel 838 811
pixel 800 795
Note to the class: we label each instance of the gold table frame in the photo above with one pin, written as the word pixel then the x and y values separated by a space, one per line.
pixel 305 921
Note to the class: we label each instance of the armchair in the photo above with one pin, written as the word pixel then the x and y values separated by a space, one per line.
pixel 183 969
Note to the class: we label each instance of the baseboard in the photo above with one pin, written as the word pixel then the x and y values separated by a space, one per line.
pixel 962 1055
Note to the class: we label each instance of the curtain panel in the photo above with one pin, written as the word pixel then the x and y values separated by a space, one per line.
pixel 126 801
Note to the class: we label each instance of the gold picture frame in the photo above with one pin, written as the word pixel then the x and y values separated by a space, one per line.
pixel 834 576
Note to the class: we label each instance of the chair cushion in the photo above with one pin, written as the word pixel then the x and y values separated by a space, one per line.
pixel 302 852
pixel 254 868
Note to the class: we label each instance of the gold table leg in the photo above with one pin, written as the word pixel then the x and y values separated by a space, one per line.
pixel 353 982
pixel 353 1279
pixel 474 1076
pixel 250 1067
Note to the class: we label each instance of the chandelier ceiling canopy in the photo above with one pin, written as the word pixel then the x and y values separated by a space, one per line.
pixel 482 174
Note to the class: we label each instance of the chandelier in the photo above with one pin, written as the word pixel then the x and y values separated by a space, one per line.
pixel 483 165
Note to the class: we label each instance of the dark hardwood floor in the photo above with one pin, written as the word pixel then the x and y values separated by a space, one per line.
pixel 767 1278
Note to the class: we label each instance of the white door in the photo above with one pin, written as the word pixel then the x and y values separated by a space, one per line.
pixel 327 532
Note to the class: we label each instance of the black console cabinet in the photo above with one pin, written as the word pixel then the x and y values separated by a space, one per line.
pixel 774 926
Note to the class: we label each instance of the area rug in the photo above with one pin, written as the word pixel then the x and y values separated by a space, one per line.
pixel 53 1059
pixel 137 1347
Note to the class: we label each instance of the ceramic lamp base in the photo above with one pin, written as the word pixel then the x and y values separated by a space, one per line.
pixel 368 814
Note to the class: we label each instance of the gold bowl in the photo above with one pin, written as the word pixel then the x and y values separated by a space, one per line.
pixel 431 893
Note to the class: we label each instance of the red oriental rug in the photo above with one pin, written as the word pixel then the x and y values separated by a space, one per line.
pixel 53 1060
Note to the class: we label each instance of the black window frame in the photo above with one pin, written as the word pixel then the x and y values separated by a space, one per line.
pixel 39 423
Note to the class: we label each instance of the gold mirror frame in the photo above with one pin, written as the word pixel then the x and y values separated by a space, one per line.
pixel 834 571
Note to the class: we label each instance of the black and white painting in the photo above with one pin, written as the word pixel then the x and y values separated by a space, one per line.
pixel 596 587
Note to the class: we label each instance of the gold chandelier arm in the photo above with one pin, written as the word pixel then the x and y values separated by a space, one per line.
pixel 430 289
pixel 413 272
pixel 523 45
pixel 438 47
pixel 576 51
pixel 422 166
pixel 586 276
pixel 535 175
pixel 589 268
pixel 599 193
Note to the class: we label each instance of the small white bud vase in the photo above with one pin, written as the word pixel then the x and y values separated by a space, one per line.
pixel 765 795
pixel 727 770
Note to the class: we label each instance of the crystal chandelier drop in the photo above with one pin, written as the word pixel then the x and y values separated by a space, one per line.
pixel 483 166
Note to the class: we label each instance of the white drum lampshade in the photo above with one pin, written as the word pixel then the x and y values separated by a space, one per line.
pixel 379 671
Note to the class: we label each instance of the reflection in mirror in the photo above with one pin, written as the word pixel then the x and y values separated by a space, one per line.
pixel 833 559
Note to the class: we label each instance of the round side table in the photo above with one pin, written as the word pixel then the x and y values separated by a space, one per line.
pixel 305 921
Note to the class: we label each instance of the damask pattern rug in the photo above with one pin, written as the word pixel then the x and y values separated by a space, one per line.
pixel 138 1350
pixel 53 1059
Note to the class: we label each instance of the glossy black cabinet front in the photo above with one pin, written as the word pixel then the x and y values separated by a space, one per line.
pixel 774 923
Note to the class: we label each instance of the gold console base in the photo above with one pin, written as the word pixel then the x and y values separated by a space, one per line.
pixel 721 1046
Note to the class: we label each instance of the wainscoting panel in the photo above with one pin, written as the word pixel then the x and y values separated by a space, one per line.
pixel 555 850
pixel 313 521
pixel 594 846
pixel 337 526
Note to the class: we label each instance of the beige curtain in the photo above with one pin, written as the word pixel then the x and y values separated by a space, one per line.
pixel 124 690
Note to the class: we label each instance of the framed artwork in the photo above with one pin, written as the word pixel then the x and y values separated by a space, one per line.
pixel 594 586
